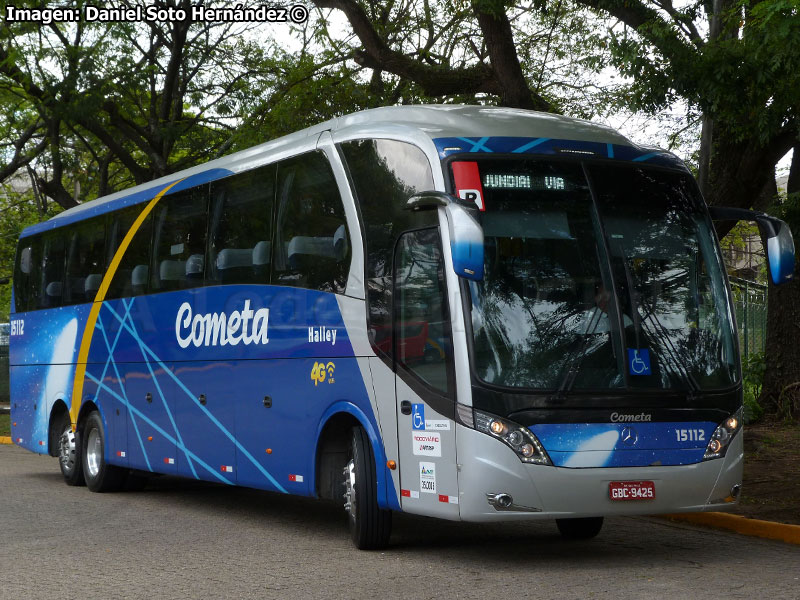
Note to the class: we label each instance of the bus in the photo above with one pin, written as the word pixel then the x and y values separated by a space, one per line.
pixel 465 312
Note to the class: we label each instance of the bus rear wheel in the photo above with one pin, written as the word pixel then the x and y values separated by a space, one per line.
pixel 580 529
pixel 69 454
pixel 370 526
pixel 99 475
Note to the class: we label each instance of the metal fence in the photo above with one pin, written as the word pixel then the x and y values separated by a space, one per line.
pixel 750 303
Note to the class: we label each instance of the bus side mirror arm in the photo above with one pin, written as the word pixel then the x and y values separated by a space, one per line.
pixel 779 243
pixel 434 199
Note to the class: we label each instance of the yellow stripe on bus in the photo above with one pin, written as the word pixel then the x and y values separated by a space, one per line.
pixel 88 331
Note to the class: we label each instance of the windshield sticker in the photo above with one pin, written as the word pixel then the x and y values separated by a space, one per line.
pixel 468 182
pixel 639 361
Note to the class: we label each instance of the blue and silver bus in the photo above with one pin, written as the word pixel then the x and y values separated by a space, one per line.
pixel 471 313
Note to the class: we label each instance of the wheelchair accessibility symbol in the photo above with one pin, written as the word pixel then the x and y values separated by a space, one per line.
pixel 418 416
pixel 639 361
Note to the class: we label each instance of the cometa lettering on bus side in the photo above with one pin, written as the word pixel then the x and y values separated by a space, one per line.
pixel 245 326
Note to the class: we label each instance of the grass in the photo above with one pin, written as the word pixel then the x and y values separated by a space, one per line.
pixel 5 425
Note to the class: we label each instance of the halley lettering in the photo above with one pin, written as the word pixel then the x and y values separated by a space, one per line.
pixel 210 329
pixel 322 334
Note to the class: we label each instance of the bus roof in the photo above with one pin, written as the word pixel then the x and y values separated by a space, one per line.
pixel 432 121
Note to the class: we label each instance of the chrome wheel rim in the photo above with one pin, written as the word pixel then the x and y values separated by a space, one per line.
pixel 350 489
pixel 66 450
pixel 94 452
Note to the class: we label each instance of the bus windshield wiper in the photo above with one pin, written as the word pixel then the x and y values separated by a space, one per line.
pixel 574 364
pixel 662 336
pixel 637 322
pixel 658 329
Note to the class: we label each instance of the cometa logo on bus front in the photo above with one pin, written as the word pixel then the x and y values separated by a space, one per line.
pixel 623 418
pixel 211 329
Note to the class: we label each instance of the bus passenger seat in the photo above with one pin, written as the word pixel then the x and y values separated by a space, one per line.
pixel 194 267
pixel 139 278
pixel 303 249
pixel 261 260
pixel 53 293
pixel 231 262
pixel 171 271
pixel 91 285
pixel 261 254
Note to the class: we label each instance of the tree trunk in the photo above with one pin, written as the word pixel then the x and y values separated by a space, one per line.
pixel 783 324
pixel 706 136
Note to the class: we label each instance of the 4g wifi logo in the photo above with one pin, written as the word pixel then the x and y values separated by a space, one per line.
pixel 321 371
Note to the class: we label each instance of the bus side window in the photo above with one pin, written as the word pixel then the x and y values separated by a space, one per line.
pixel 240 235
pixel 131 275
pixel 27 271
pixel 312 248
pixel 385 174
pixel 85 262
pixel 52 276
pixel 179 242
pixel 422 326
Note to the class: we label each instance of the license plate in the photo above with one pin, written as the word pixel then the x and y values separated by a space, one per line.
pixel 632 490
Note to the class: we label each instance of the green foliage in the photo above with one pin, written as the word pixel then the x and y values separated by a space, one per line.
pixel 747 78
pixel 753 368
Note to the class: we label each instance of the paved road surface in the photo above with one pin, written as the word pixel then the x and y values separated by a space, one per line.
pixel 181 539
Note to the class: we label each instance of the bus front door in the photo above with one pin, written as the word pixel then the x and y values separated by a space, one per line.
pixel 423 381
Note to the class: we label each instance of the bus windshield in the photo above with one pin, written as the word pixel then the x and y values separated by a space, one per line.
pixel 617 284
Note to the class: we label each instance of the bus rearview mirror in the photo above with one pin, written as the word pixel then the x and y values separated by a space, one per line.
pixel 466 242
pixel 778 240
pixel 779 248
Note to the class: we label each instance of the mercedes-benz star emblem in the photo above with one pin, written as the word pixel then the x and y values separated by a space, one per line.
pixel 629 436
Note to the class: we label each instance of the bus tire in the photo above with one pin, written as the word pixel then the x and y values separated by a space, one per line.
pixel 69 453
pixel 370 526
pixel 580 529
pixel 99 475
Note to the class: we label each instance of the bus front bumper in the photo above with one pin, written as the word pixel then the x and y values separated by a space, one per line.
pixel 490 475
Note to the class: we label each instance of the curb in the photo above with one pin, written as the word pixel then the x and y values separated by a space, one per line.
pixel 743 525
pixel 5 439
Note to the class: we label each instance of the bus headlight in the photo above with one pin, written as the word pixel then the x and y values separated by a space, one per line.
pixel 722 436
pixel 520 439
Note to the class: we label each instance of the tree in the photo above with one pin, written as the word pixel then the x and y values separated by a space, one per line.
pixel 106 105
pixel 781 391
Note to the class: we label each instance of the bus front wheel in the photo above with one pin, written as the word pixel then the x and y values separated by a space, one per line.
pixel 370 526
pixel 580 529
pixel 69 454
pixel 99 475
